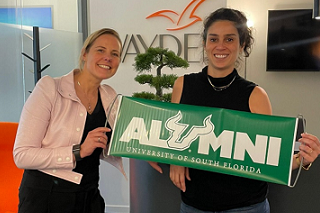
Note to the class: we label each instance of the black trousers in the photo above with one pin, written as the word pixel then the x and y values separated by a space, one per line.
pixel 42 193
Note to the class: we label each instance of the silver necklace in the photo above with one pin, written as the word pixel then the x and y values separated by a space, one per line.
pixel 219 89
pixel 89 100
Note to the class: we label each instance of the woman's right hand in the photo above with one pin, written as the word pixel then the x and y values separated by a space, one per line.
pixel 178 175
pixel 96 138
pixel 156 166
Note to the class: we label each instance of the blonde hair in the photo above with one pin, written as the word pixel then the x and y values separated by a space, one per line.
pixel 92 38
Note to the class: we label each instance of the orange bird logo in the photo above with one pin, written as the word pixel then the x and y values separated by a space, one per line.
pixel 177 18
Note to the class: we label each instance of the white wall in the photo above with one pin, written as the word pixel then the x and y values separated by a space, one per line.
pixel 291 93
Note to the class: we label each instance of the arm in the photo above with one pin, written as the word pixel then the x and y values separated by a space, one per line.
pixel 310 145
pixel 259 102
pixel 31 151
pixel 177 90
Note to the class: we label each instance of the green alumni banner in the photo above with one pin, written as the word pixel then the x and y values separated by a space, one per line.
pixel 219 140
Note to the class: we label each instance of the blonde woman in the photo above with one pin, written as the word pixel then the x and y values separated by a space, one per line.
pixel 62 134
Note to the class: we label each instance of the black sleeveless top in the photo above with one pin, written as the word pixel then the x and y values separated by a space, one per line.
pixel 210 191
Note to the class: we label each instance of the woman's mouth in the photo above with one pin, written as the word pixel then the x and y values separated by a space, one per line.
pixel 220 56
pixel 104 66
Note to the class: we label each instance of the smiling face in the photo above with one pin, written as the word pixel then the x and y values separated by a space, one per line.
pixel 222 47
pixel 103 57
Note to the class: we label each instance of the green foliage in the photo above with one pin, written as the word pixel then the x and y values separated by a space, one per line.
pixel 150 96
pixel 161 82
pixel 145 95
pixel 144 79
pixel 167 97
pixel 159 58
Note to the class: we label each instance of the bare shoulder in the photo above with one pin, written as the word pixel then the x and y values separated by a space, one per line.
pixel 177 90
pixel 259 101
pixel 178 84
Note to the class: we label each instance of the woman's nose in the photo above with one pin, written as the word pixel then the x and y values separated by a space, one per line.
pixel 220 45
pixel 107 57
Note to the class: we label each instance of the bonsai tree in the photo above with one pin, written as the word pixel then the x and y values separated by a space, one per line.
pixel 159 58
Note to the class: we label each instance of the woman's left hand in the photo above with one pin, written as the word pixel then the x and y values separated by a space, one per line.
pixel 309 148
pixel 95 139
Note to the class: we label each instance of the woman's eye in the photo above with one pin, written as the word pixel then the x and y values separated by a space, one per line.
pixel 115 54
pixel 100 50
pixel 213 39
pixel 229 39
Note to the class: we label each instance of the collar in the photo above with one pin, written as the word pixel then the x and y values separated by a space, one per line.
pixel 66 85
pixel 219 81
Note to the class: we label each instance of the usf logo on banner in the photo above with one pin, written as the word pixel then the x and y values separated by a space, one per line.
pixel 219 140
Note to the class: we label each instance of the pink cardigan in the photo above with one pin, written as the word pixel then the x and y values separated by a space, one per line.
pixel 51 122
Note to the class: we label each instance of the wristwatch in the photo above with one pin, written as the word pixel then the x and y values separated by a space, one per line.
pixel 76 151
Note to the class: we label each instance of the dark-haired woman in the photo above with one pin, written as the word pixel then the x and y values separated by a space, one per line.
pixel 225 38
